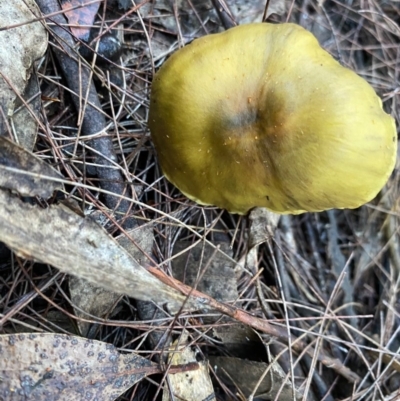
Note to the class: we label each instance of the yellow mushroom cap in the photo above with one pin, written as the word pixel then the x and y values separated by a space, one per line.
pixel 261 115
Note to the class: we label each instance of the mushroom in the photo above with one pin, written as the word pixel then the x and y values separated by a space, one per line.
pixel 262 116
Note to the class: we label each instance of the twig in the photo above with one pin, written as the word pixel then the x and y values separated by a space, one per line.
pixel 264 17
pixel 79 80
pixel 224 14
pixel 256 323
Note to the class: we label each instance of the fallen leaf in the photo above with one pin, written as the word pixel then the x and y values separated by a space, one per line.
pixel 19 48
pixel 245 375
pixel 246 12
pixel 15 160
pixel 78 246
pixel 262 227
pixel 80 12
pixel 205 269
pixel 240 341
pixel 189 386
pixel 58 367
pixel 97 301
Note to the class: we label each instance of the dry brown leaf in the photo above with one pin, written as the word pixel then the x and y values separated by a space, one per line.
pixel 90 300
pixel 15 159
pixel 165 12
pixel 206 270
pixel 58 367
pixel 80 247
pixel 19 48
pixel 80 12
pixel 246 11
pixel 244 375
pixel 241 341
pixel 98 301
pixel 189 386
pixel 262 227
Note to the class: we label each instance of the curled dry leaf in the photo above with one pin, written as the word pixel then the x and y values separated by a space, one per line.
pixel 78 246
pixel 80 15
pixel 58 367
pixel 262 227
pixel 15 161
pixel 19 48
pixel 246 12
